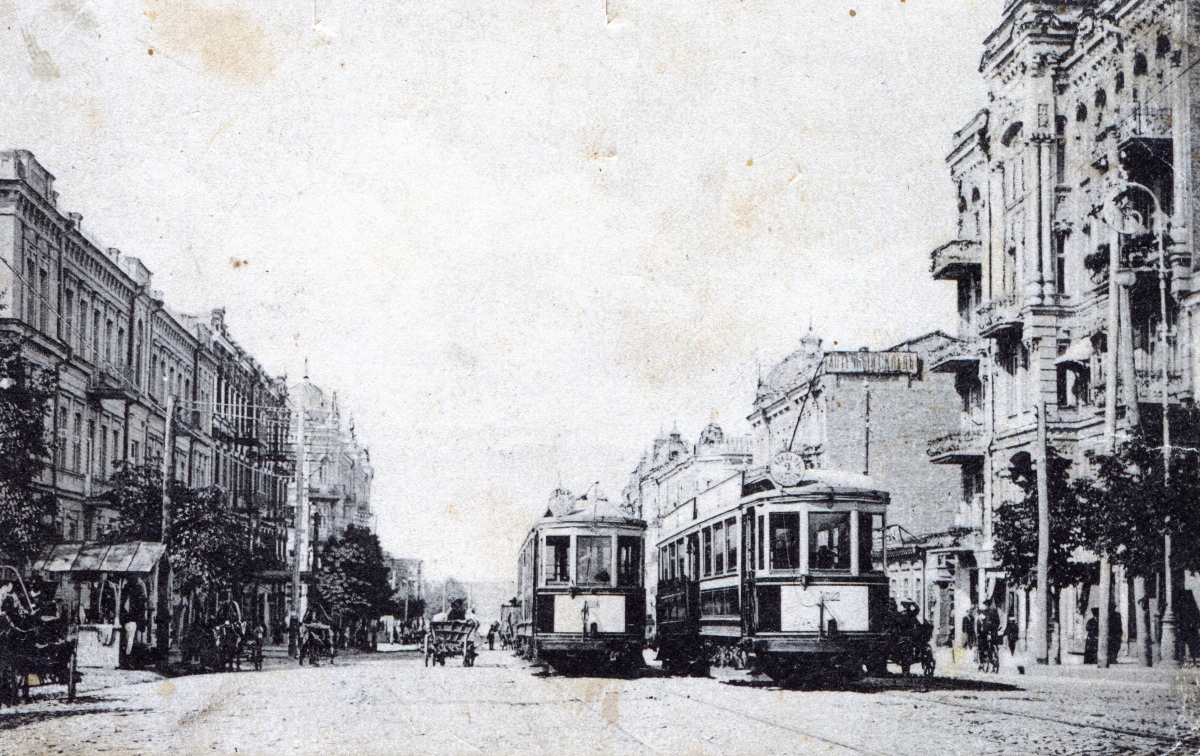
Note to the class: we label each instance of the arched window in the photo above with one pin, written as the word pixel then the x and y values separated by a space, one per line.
pixel 1101 99
pixel 1139 65
pixel 1119 82
pixel 1162 46
pixel 975 194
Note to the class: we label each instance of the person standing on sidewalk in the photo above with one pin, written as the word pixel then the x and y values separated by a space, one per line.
pixel 1115 630
pixel 1092 644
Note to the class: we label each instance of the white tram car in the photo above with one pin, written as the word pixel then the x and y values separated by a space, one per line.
pixel 581 599
pixel 774 570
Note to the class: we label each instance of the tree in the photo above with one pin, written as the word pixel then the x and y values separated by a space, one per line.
pixel 352 578
pixel 1015 526
pixel 1128 506
pixel 207 542
pixel 26 514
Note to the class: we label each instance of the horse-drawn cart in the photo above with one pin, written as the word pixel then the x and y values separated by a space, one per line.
pixel 451 638
pixel 37 646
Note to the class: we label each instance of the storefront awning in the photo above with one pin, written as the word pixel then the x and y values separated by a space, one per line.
pixel 132 557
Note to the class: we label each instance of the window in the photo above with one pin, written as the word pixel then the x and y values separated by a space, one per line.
pixel 1139 65
pixel 121 346
pixel 629 560
pixel 77 443
pixel 681 557
pixel 135 451
pixel 1101 99
pixel 95 335
pixel 1060 149
pixel 722 602
pixel 671 574
pixel 870 530
pixel 83 310
pixel 664 564
pixel 31 291
pixel 718 533
pixel 706 538
pixel 1081 112
pixel 558 561
pixel 593 564
pixel 731 545
pixel 1060 261
pixel 103 452
pixel 44 290
pixel 785 540
pixel 1119 82
pixel 1162 46
pixel 69 313
pixel 829 540
pixel 762 554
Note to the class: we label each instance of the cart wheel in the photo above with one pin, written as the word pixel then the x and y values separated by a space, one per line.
pixel 72 674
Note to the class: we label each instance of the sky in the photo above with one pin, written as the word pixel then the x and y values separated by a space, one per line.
pixel 520 239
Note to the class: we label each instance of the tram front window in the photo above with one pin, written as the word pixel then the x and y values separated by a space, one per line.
pixel 629 560
pixel 785 540
pixel 870 532
pixel 558 559
pixel 593 565
pixel 829 540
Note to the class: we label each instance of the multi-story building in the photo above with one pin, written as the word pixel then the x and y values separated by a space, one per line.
pixel 338 475
pixel 119 355
pixel 1075 189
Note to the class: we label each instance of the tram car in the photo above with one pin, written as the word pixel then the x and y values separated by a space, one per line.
pixel 772 570
pixel 581 600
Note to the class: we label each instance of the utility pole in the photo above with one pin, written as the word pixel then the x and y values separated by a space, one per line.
pixel 1041 614
pixel 164 566
pixel 1110 431
pixel 300 517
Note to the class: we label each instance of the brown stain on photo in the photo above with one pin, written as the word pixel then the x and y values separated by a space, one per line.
pixel 229 44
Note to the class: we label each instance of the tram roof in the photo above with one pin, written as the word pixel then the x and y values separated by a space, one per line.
pixel 599 510
pixel 821 482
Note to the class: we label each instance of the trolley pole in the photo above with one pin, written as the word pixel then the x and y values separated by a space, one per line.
pixel 163 629
pixel 1041 613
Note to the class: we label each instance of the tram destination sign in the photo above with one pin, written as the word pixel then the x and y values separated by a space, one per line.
pixel 787 469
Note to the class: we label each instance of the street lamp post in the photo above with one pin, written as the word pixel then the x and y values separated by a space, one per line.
pixel 1160 231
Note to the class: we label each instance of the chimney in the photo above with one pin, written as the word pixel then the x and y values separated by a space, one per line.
pixel 76 221
pixel 115 254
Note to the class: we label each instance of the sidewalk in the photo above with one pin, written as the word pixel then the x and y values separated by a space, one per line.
pixel 962 664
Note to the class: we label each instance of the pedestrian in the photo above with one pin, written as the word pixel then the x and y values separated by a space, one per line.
pixel 1115 629
pixel 1010 635
pixel 491 636
pixel 1092 643
pixel 968 628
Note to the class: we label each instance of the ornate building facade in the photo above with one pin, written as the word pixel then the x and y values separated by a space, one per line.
pixel 1075 193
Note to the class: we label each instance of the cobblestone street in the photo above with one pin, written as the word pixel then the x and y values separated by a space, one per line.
pixel 393 704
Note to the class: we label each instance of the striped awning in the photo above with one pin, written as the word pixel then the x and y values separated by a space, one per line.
pixel 132 557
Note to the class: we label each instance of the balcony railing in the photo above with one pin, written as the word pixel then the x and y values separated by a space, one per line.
pixel 956 355
pixel 998 315
pixel 112 383
pixel 956 259
pixel 956 448
pixel 1146 122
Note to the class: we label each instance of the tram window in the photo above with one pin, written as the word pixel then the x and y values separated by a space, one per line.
pixel 870 532
pixel 731 545
pixel 706 537
pixel 558 559
pixel 681 559
pixel 829 540
pixel 629 560
pixel 719 548
pixel 785 540
pixel 593 563
pixel 671 562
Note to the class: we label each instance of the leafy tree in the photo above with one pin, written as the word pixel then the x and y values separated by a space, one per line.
pixel 352 578
pixel 1128 506
pixel 207 542
pixel 26 515
pixel 1015 526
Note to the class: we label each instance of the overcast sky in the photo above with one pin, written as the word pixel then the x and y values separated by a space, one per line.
pixel 518 238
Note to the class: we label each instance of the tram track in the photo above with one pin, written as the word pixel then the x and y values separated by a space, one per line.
pixel 1173 740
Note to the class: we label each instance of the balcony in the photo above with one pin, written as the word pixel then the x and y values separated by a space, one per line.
pixel 1145 122
pixel 956 448
pixel 956 355
pixel 958 259
pixel 112 383
pixel 999 315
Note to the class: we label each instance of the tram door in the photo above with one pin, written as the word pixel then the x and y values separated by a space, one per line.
pixel 693 582
pixel 748 609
